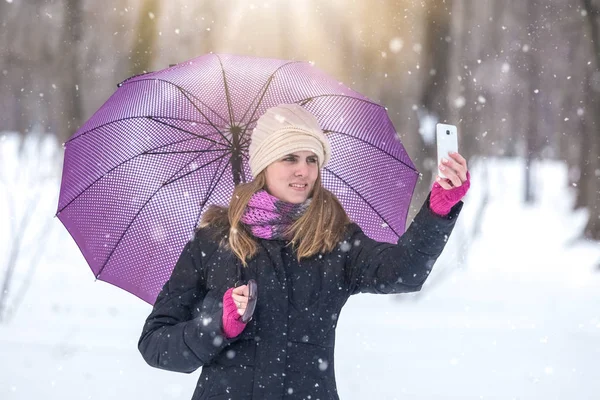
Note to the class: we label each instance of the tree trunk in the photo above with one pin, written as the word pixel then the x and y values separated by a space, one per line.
pixel 437 66
pixel 286 28
pixel 71 69
pixel 533 78
pixel 142 53
pixel 589 187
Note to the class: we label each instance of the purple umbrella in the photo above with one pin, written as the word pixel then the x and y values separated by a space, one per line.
pixel 139 174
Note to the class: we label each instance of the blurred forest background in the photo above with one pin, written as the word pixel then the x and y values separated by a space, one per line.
pixel 520 78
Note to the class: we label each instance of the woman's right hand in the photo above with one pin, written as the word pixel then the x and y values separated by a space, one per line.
pixel 232 313
pixel 240 298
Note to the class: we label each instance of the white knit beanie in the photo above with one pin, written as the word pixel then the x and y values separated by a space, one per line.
pixel 282 130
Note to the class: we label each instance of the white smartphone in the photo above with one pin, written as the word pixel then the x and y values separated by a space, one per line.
pixel 447 142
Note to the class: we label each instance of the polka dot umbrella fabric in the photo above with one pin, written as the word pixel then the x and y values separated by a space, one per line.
pixel 140 172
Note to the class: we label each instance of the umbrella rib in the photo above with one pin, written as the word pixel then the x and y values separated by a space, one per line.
pixel 106 173
pixel 302 102
pixel 227 95
pixel 368 143
pixel 211 191
pixel 261 93
pixel 374 146
pixel 213 184
pixel 187 95
pixel 248 160
pixel 182 119
pixel 267 84
pixel 247 138
pixel 246 157
pixel 361 196
pixel 183 91
pixel 102 126
pixel 211 123
pixel 183 151
pixel 244 173
pixel 138 213
pixel 125 119
pixel 171 180
pixel 306 100
pixel 196 136
pixel 259 97
pixel 151 151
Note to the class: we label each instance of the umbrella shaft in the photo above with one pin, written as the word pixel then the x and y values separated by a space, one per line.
pixel 236 157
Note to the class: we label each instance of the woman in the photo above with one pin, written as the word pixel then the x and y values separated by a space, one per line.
pixel 293 237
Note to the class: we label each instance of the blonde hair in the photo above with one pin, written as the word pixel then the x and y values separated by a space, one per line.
pixel 318 230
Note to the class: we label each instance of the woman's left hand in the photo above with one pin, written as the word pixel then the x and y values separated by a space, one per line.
pixel 455 169
pixel 446 192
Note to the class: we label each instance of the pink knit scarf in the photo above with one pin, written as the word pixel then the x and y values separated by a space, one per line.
pixel 269 217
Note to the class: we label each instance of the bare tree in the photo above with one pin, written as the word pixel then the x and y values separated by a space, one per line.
pixel 142 53
pixel 70 56
pixel 28 214
pixel 436 60
pixel 589 185
pixel 439 44
pixel 532 74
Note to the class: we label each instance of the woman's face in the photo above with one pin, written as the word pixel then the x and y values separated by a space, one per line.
pixel 292 178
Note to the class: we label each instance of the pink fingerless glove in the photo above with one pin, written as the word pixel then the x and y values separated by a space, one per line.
pixel 442 200
pixel 232 326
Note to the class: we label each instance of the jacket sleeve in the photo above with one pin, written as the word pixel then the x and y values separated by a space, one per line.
pixel 184 331
pixel 381 268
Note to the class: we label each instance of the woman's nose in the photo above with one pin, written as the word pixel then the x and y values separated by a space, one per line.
pixel 302 169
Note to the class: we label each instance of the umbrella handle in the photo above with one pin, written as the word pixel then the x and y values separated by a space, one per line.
pixel 252 296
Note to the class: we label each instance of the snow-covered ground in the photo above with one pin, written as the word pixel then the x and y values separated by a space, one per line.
pixel 513 313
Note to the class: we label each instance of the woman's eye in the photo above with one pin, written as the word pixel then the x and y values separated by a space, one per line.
pixel 312 160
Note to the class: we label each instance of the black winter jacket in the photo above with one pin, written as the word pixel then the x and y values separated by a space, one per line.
pixel 286 350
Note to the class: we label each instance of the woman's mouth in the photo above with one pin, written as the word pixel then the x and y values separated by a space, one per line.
pixel 299 187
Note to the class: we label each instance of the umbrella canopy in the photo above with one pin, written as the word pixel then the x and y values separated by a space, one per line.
pixel 141 171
